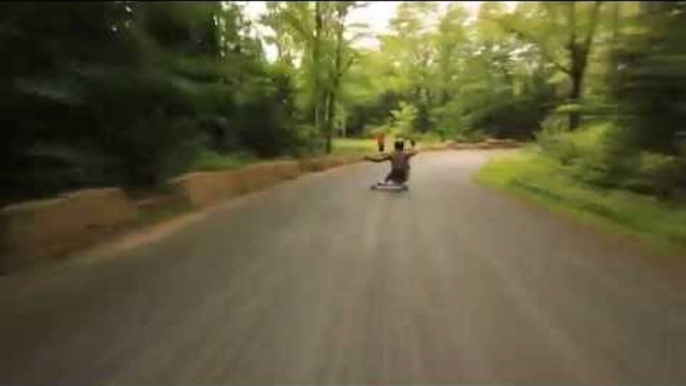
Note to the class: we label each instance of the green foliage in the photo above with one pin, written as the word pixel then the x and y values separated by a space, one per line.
pixel 545 181
pixel 136 89
pixel 403 120
pixel 659 174
pixel 316 33
pixel 265 128
pixel 354 146
pixel 449 118
pixel 466 80
pixel 641 151
pixel 131 93
pixel 650 86
pixel 556 143
pixel 564 34
pixel 208 160
pixel 516 117
pixel 593 160
pixel 589 153
pixel 595 154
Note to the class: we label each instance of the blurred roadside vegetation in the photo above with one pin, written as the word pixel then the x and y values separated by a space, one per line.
pixel 129 94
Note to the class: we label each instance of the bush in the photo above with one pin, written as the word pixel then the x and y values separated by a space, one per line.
pixel 557 143
pixel 208 160
pixel 265 129
pixel 404 119
pixel 650 87
pixel 590 164
pixel 265 116
pixel 658 174
pixel 593 154
pixel 308 141
pixel 555 121
pixel 449 119
pixel 499 111
pixel 601 155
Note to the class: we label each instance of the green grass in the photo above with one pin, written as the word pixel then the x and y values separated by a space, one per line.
pixel 360 146
pixel 345 146
pixel 536 177
pixel 211 161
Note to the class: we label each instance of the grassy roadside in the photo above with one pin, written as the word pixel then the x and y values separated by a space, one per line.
pixel 537 178
pixel 211 161
pixel 353 146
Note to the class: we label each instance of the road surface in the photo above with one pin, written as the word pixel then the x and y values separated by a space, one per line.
pixel 323 281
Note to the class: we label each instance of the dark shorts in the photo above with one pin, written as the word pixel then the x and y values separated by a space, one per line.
pixel 398 175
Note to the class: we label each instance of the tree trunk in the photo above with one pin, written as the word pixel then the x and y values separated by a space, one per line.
pixel 316 65
pixel 580 52
pixel 575 97
pixel 328 125
pixel 331 95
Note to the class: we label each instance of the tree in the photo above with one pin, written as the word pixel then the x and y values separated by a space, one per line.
pixel 410 47
pixel 451 49
pixel 649 88
pixel 126 93
pixel 318 33
pixel 564 34
pixel 285 42
pixel 342 51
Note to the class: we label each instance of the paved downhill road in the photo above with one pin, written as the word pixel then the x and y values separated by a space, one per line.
pixel 321 280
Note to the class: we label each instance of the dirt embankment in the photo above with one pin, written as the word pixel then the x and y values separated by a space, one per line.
pixel 36 231
pixel 206 188
pixel 44 231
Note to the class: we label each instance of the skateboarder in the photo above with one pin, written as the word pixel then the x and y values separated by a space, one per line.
pixel 400 164
pixel 381 142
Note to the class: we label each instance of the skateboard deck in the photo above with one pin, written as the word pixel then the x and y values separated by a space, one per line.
pixel 390 186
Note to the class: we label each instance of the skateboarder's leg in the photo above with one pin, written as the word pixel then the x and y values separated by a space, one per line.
pixel 388 177
pixel 399 177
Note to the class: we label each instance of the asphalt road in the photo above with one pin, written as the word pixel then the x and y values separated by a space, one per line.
pixel 323 281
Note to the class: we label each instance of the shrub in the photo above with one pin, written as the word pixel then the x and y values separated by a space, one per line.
pixel 307 141
pixel 658 174
pixel 650 87
pixel 557 143
pixel 590 165
pixel 593 154
pixel 602 155
pixel 404 119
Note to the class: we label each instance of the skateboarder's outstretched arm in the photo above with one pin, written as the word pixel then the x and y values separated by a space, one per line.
pixel 382 158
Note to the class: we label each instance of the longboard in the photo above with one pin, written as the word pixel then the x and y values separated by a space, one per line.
pixel 390 186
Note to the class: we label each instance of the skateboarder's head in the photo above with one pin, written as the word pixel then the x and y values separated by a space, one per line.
pixel 399 145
